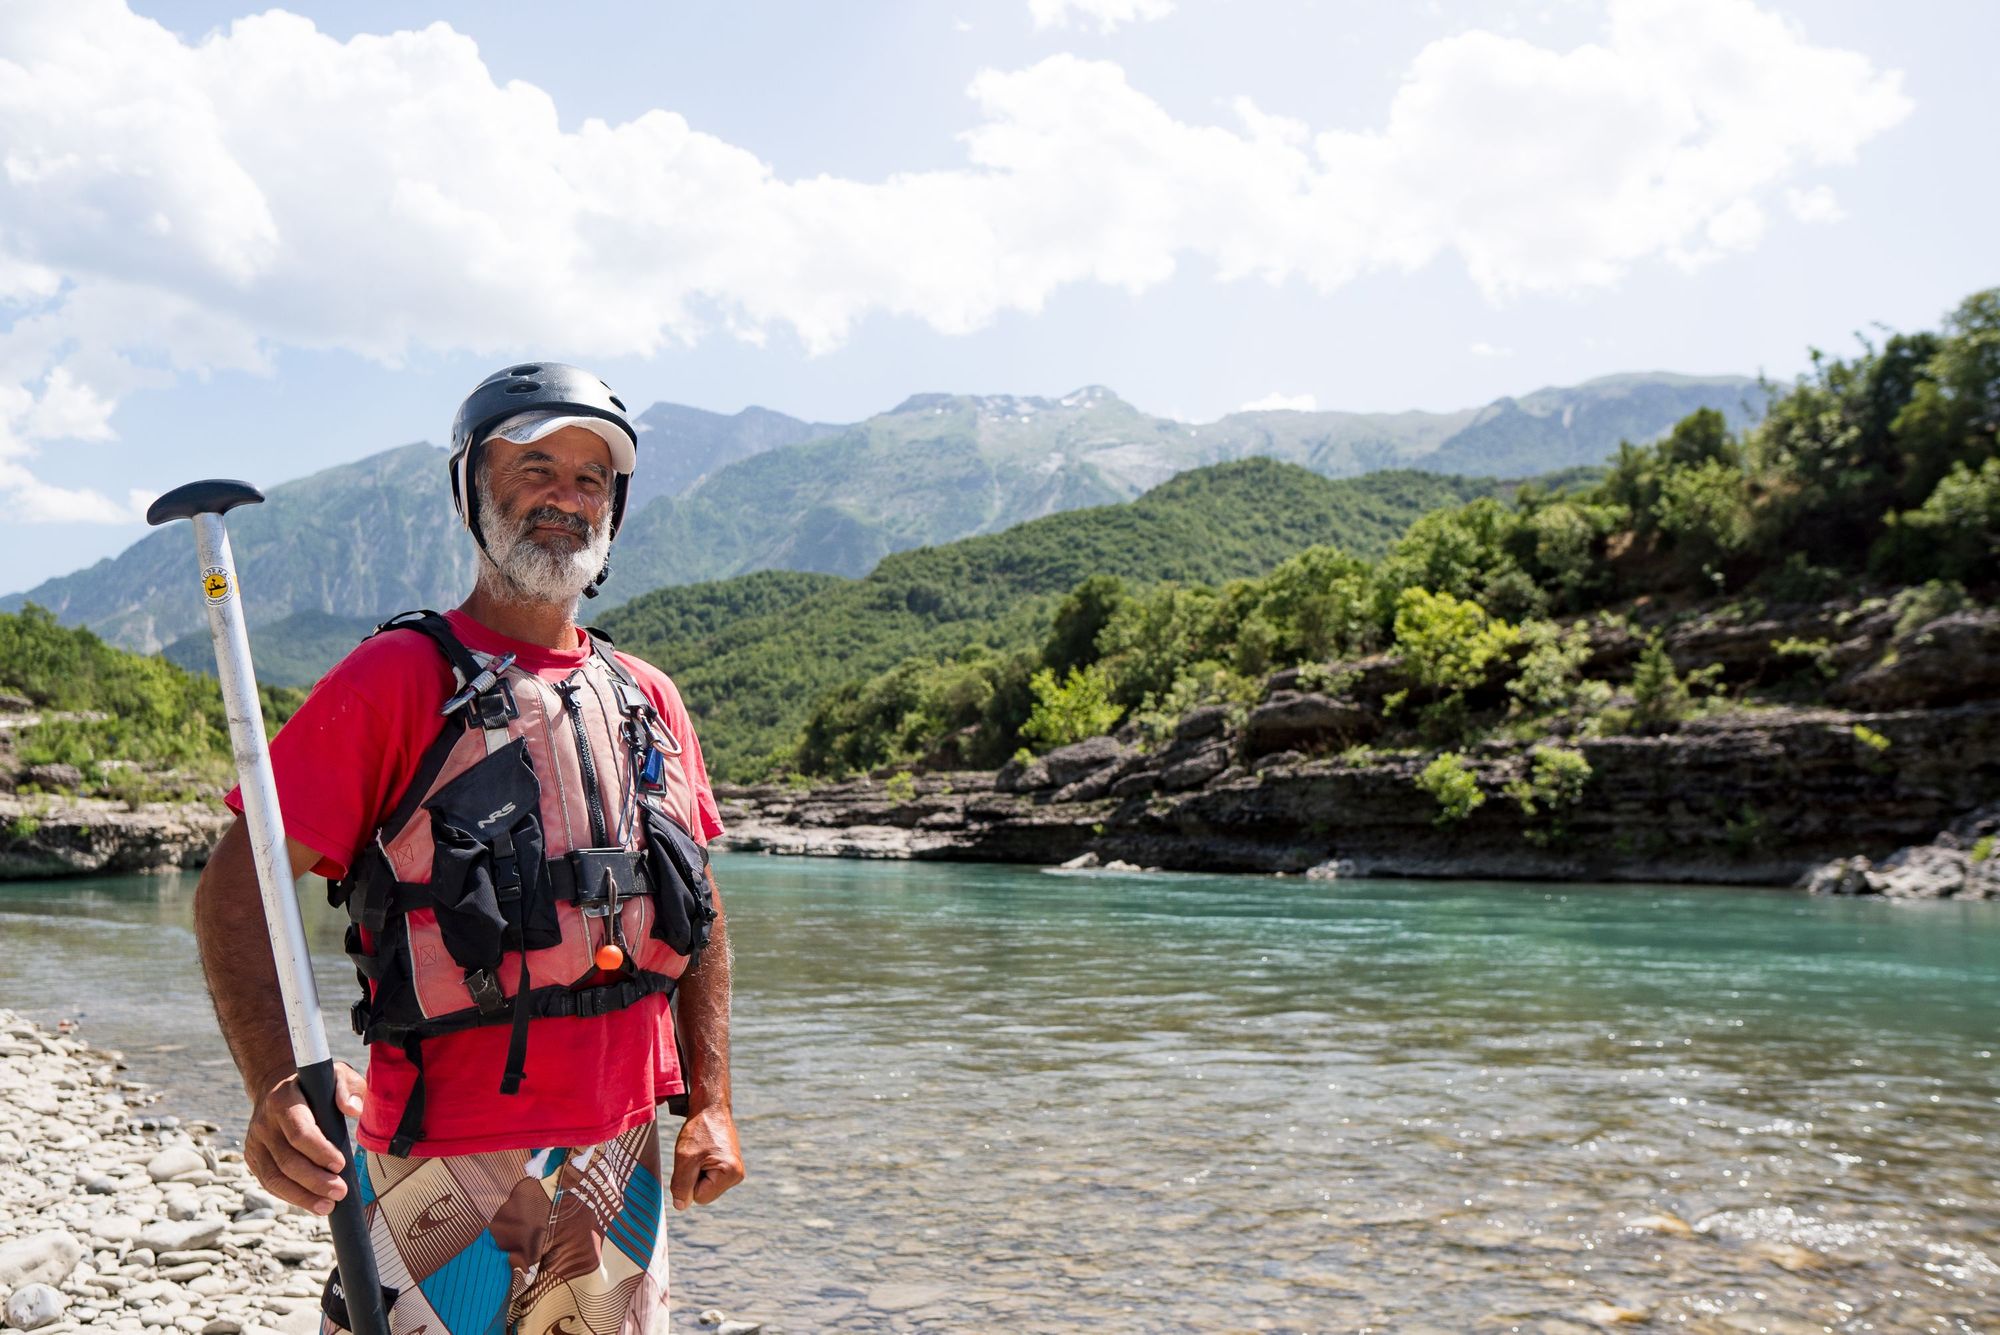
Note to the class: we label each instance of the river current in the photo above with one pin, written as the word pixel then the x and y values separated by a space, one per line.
pixel 989 1098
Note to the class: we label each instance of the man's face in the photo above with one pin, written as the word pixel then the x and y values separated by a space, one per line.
pixel 545 510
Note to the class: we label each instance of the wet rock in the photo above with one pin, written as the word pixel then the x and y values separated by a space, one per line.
pixel 33 1306
pixel 1611 1314
pixel 1291 720
pixel 1789 1255
pixel 1665 1224
pixel 43 1258
pixel 904 1297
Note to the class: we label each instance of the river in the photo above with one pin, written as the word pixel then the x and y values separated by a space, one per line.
pixel 976 1098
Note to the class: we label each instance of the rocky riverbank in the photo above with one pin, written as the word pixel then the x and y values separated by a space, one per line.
pixel 54 834
pixel 117 1216
pixel 1903 742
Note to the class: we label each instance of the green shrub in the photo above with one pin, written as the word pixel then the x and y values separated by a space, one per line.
pixel 901 786
pixel 1078 707
pixel 1870 738
pixel 1661 697
pixel 1549 677
pixel 1552 788
pixel 1921 604
pixel 1982 848
pixel 1450 782
pixel 1807 658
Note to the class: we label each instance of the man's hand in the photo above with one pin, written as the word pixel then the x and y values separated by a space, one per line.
pixel 707 1159
pixel 284 1148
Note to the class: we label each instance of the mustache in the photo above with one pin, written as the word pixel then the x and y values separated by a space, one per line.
pixel 549 515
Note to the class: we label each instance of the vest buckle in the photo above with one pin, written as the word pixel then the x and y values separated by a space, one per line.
pixel 484 986
pixel 604 879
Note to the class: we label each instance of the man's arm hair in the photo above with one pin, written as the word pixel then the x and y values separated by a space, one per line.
pixel 704 1015
pixel 236 960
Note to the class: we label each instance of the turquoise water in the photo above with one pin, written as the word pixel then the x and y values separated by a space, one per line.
pixel 984 1097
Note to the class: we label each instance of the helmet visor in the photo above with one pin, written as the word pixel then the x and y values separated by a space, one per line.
pixel 525 428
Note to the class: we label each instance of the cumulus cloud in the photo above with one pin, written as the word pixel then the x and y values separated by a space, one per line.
pixel 1296 403
pixel 169 208
pixel 1107 15
pixel 1815 204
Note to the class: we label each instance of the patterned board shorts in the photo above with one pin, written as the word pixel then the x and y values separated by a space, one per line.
pixel 539 1242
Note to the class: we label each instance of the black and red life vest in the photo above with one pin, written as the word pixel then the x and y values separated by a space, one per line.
pixel 546 821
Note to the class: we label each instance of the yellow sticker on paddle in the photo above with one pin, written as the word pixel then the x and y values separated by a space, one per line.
pixel 215 584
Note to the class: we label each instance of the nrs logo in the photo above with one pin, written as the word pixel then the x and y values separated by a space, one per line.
pixel 507 810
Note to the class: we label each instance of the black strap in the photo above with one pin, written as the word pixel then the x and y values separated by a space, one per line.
pixel 408 896
pixel 410 1129
pixel 439 632
pixel 517 1042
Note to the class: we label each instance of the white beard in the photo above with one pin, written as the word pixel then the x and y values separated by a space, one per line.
pixel 530 571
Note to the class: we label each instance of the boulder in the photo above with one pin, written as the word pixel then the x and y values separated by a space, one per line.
pixel 1948 661
pixel 1291 720
pixel 1067 764
pixel 1022 776
pixel 40 1258
pixel 1205 721
pixel 1196 769
pixel 55 774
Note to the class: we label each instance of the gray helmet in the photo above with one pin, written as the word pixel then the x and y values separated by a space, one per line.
pixel 518 389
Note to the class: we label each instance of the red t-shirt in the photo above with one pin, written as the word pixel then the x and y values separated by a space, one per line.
pixel 341 762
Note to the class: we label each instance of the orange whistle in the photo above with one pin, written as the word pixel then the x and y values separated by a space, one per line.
pixel 609 957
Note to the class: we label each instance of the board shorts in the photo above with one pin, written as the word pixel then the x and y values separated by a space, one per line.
pixel 540 1242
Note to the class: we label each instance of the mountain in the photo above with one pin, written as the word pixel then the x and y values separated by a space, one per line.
pixel 752 654
pixel 360 539
pixel 722 495
pixel 942 466
pixel 679 446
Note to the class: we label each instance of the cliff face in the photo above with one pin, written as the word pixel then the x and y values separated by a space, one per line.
pixel 1748 795
pixel 78 836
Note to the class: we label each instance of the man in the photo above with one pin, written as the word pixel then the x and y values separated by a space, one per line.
pixel 516 820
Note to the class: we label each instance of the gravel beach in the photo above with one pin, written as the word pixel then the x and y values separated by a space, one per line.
pixel 114 1216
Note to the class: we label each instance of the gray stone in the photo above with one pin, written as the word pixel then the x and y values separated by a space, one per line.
pixel 43 1258
pixel 1923 872
pixel 184 1235
pixel 1293 719
pixel 33 1306
pixel 223 1325
pixel 1202 722
pixel 54 775
pixel 738 1327
pixel 175 1161
pixel 183 1206
pixel 903 1297
pixel 1197 769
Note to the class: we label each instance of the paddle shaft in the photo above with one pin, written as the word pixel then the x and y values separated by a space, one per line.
pixel 265 824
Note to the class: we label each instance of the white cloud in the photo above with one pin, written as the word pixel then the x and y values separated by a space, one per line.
pixel 169 208
pixel 1816 204
pixel 1106 14
pixel 1296 403
pixel 1481 348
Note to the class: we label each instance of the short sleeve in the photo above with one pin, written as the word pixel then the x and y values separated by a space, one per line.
pixel 345 757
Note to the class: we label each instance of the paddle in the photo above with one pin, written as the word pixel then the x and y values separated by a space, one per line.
pixel 205 503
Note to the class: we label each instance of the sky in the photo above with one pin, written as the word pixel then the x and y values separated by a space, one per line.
pixel 256 243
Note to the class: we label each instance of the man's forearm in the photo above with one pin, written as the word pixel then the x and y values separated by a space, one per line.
pixel 236 962
pixel 704 1016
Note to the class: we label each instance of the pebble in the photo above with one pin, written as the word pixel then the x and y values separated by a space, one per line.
pixel 903 1297
pixel 33 1306
pixel 44 1258
pixel 165 1257
pixel 175 1161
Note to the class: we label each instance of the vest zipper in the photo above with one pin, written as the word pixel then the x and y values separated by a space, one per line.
pixel 600 835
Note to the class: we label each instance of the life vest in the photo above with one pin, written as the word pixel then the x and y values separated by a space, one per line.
pixel 546 821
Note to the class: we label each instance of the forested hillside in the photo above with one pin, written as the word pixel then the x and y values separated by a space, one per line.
pixel 1873 482
pixel 753 675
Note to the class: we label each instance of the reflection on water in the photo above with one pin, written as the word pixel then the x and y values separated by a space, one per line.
pixel 978 1097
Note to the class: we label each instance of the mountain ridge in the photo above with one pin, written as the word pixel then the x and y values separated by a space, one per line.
pixel 726 494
